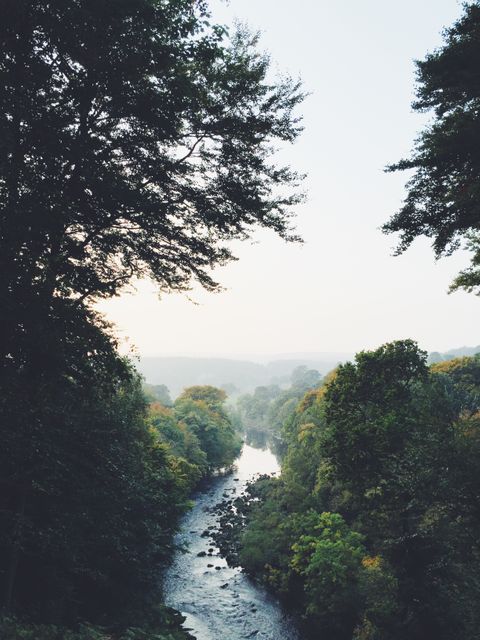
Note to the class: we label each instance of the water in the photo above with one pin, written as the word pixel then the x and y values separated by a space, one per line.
pixel 221 602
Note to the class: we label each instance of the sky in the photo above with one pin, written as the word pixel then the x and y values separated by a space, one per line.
pixel 342 290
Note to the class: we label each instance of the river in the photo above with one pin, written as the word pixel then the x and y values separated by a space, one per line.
pixel 218 601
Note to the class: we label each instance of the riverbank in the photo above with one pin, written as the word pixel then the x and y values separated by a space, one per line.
pixel 168 625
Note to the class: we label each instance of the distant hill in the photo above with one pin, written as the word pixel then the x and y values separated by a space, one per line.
pixel 242 376
pixel 237 376
pixel 435 356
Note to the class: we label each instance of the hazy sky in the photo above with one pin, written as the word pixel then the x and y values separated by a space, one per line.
pixel 342 290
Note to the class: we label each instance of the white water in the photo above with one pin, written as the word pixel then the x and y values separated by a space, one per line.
pixel 223 603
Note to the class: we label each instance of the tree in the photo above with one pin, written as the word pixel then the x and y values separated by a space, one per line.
pixel 443 199
pixel 202 410
pixel 371 412
pixel 392 455
pixel 213 397
pixel 372 529
pixel 89 501
pixel 136 140
pixel 186 456
pixel 255 407
pixel 329 560
pixel 464 371
pixel 305 378
pixel 157 393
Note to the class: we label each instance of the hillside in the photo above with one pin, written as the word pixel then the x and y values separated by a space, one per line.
pixel 179 372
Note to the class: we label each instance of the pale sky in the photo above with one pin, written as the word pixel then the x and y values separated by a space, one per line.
pixel 342 291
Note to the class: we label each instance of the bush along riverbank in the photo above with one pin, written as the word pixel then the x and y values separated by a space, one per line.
pixel 372 530
pixel 166 624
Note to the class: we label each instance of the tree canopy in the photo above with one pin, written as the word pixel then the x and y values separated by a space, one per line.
pixel 136 140
pixel 371 531
pixel 443 195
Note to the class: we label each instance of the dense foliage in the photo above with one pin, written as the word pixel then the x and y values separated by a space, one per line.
pixel 443 194
pixel 263 412
pixel 157 393
pixel 165 625
pixel 93 488
pixel 372 530
pixel 89 500
pixel 91 492
pixel 135 139
pixel 198 432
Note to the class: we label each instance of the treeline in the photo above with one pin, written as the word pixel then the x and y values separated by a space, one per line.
pixel 372 531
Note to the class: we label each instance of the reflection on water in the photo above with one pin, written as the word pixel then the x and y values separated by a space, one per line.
pixel 220 602
pixel 265 440
pixel 256 438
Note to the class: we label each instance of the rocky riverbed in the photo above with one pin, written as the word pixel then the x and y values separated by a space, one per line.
pixel 218 600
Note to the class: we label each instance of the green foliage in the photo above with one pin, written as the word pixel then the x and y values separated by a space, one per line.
pixel 213 397
pixel 166 626
pixel 372 530
pixel 443 194
pixel 187 459
pixel 304 378
pixel 199 433
pixel 203 411
pixel 90 502
pixel 370 412
pixel 378 592
pixel 254 407
pixel 136 141
pixel 265 411
pixel 464 372
pixel 329 560
pixel 266 541
pixel 157 393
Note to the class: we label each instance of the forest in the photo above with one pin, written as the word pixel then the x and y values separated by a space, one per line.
pixel 372 529
pixel 138 140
